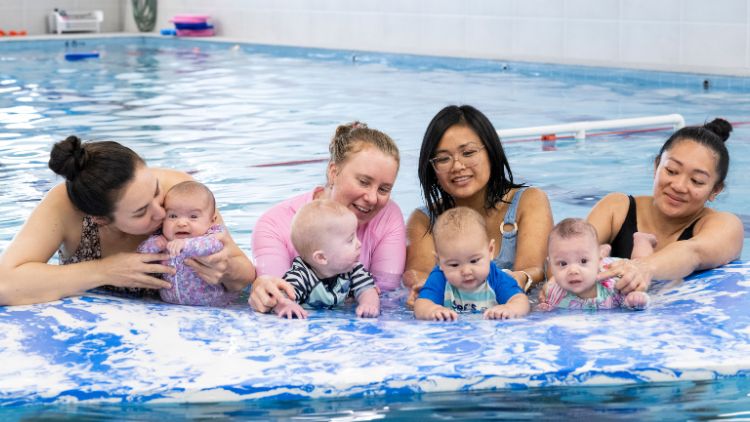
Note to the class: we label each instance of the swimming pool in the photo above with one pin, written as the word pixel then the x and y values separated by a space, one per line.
pixel 219 111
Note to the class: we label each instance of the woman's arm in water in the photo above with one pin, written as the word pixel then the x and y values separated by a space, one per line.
pixel 273 258
pixel 420 254
pixel 26 277
pixel 717 240
pixel 534 219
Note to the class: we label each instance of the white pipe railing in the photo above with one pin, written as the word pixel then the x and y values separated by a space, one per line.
pixel 580 128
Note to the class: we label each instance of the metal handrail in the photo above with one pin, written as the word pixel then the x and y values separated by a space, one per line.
pixel 580 128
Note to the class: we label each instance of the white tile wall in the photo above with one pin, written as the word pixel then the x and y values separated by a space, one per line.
pixel 32 15
pixel 596 41
pixel 683 35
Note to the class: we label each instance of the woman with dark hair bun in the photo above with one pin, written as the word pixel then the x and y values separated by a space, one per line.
pixel 110 202
pixel 462 163
pixel 689 171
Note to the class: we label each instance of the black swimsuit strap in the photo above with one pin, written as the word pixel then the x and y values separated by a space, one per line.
pixel 622 244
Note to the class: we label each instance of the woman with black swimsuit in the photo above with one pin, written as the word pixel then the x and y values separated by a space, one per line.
pixel 690 170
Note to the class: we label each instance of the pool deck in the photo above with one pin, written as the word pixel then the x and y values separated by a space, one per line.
pixel 103 349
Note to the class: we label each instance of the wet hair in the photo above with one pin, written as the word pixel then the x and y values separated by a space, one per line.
pixel 313 223
pixel 353 137
pixel 712 135
pixel 572 227
pixel 94 172
pixel 191 187
pixel 457 222
pixel 501 177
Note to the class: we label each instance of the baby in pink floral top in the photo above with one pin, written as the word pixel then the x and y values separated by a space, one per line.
pixel 189 231
pixel 575 258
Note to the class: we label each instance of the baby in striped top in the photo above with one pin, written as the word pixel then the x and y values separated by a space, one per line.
pixel 466 279
pixel 327 269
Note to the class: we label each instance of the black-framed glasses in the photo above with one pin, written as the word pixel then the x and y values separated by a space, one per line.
pixel 468 155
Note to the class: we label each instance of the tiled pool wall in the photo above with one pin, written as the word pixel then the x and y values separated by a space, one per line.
pixel 693 36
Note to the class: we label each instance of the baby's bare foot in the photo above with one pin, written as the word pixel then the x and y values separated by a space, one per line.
pixel 646 238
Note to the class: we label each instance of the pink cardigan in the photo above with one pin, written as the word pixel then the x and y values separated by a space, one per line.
pixel 383 242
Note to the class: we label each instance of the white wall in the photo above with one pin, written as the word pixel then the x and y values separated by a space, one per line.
pixel 682 35
pixel 31 15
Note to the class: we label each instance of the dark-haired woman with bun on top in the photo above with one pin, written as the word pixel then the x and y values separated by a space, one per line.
pixel 689 171
pixel 109 203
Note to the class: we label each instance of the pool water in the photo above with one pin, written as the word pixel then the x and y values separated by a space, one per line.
pixel 219 111
pixel 726 400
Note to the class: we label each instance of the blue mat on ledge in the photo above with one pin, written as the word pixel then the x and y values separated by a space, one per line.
pixel 104 349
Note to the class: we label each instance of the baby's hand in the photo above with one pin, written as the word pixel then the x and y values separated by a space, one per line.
pixel 368 310
pixel 174 247
pixel 287 308
pixel 443 314
pixel 501 312
pixel 369 303
pixel 160 242
pixel 544 307
pixel 636 300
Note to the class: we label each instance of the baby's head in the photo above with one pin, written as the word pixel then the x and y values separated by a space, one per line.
pixel 324 233
pixel 191 210
pixel 462 248
pixel 574 256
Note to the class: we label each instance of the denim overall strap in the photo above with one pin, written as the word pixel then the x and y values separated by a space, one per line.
pixel 507 254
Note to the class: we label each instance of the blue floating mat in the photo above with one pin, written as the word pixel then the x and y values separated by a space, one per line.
pixel 99 348
pixel 71 57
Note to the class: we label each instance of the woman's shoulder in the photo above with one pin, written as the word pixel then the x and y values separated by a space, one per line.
pixel 390 215
pixel 58 201
pixel 170 177
pixel 723 219
pixel 285 210
pixel 531 194
pixel 616 200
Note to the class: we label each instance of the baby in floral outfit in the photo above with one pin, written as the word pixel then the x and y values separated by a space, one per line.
pixel 189 231
pixel 575 258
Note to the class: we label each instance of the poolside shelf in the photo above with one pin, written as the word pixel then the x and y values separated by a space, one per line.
pixel 580 128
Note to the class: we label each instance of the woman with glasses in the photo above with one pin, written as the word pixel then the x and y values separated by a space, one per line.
pixel 462 163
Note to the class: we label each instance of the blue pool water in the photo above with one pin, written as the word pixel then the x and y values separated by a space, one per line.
pixel 220 110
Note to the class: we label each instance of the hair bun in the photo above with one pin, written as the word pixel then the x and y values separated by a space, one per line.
pixel 720 127
pixel 345 129
pixel 68 157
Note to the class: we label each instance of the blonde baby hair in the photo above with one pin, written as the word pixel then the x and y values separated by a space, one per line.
pixel 455 222
pixel 572 227
pixel 313 222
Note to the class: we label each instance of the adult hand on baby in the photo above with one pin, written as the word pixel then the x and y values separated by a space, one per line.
pixel 175 247
pixel 633 274
pixel 287 308
pixel 212 268
pixel 267 292
pixel 135 269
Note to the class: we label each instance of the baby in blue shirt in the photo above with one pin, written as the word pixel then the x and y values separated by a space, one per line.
pixel 465 278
